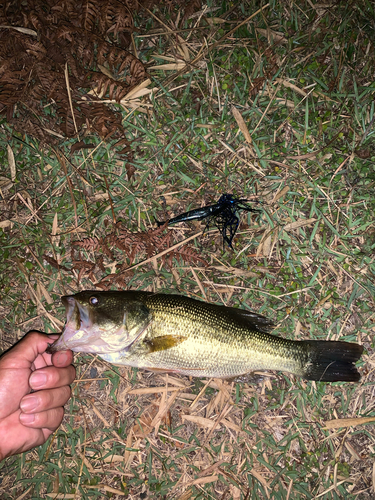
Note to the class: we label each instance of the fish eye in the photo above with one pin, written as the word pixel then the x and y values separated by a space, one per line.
pixel 94 301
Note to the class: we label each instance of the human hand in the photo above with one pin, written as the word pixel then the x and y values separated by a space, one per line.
pixel 28 418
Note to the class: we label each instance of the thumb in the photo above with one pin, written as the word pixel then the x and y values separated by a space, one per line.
pixel 24 353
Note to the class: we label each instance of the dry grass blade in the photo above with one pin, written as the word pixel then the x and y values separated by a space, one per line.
pixel 242 125
pixel 347 422
pixel 12 163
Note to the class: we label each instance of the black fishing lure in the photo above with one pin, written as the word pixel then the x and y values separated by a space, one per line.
pixel 222 214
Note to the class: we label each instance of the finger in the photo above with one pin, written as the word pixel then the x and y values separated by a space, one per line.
pixel 49 419
pixel 62 358
pixel 24 353
pixel 45 400
pixel 52 377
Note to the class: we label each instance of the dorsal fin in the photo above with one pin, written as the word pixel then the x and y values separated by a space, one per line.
pixel 250 319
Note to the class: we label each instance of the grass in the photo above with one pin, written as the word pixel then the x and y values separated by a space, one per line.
pixel 301 76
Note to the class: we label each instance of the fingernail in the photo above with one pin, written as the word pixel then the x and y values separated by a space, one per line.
pixel 27 418
pixel 62 358
pixel 29 404
pixel 37 380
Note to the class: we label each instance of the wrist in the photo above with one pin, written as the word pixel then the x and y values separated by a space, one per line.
pixel 6 438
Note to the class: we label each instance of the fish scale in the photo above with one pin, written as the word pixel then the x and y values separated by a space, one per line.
pixel 216 345
pixel 179 334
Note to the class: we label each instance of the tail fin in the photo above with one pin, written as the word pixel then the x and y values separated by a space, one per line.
pixel 332 361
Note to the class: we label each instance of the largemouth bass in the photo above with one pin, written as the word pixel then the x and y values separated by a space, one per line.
pixel 179 334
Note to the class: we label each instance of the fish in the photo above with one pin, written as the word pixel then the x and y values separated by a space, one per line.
pixel 178 334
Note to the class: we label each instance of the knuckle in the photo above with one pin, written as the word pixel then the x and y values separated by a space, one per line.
pixel 49 419
pixel 65 394
pixel 55 418
pixel 54 377
pixel 57 397
pixel 49 399
pixel 72 374
pixel 59 377
pixel 33 336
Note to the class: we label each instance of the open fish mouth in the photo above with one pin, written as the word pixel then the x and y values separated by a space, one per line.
pixel 79 333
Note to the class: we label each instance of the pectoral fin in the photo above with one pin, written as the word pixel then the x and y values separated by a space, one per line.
pixel 164 342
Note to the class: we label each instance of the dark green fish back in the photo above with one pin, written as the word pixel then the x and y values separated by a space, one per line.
pixel 210 314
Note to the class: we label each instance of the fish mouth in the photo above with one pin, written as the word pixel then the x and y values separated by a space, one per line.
pixel 79 333
pixel 82 333
pixel 77 323
pixel 77 315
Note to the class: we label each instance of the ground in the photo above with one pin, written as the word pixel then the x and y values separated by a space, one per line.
pixel 271 102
